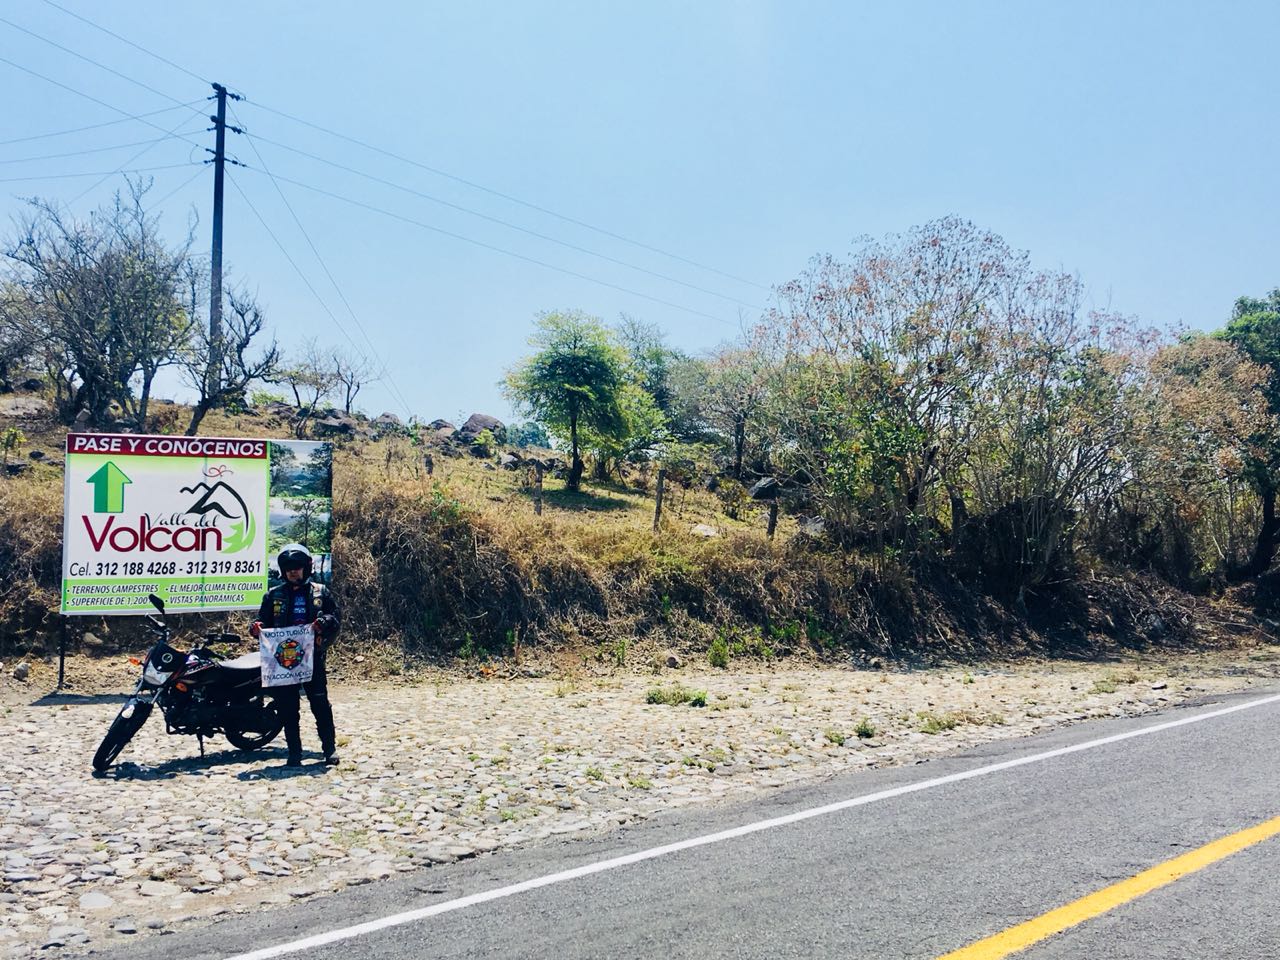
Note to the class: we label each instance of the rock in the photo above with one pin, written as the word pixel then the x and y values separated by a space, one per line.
pixel 63 933
pixel 95 900
pixel 388 421
pixel 711 483
pixel 36 455
pixel 1159 686
pixel 24 408
pixel 125 925
pixel 439 425
pixel 337 426
pixel 16 469
pixel 379 869
pixel 509 461
pixel 159 888
pixel 704 530
pixel 477 423
pixel 211 876
pixel 813 526
pixel 31 383
pixel 22 671
pixel 766 488
pixel 673 661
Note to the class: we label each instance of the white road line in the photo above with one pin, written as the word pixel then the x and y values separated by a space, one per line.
pixel 448 906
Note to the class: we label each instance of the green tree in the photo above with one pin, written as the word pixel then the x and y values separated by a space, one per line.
pixel 572 382
pixel 644 430
pixel 1255 329
pixel 650 361
pixel 531 434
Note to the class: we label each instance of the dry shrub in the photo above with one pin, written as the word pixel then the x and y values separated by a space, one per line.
pixel 422 568
pixel 463 566
pixel 30 550
pixel 441 576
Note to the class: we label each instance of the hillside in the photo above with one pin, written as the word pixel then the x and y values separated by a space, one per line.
pixel 454 566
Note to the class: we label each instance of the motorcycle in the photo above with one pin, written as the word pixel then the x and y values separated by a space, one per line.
pixel 200 693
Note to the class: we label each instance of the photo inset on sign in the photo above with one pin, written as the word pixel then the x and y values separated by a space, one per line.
pixel 302 503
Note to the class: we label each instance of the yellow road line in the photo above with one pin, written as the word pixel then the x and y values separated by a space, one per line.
pixel 1086 908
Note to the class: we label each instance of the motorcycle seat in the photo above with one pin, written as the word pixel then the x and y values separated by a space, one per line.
pixel 250 662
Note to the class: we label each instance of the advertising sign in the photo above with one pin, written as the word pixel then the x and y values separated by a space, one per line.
pixel 186 518
pixel 288 655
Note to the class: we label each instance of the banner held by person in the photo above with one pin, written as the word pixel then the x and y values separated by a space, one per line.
pixel 288 655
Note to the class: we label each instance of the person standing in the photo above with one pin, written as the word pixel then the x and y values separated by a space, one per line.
pixel 297 601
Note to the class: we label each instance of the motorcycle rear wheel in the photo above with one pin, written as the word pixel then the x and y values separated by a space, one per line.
pixel 249 740
pixel 120 733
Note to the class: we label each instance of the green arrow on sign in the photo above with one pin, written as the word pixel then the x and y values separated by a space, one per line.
pixel 108 488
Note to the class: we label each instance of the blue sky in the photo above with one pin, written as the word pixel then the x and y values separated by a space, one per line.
pixel 1135 144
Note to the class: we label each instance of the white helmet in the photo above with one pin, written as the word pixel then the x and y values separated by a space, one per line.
pixel 291 557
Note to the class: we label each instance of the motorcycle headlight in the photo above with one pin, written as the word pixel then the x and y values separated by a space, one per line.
pixel 155 677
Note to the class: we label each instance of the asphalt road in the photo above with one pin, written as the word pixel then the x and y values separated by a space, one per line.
pixel 909 876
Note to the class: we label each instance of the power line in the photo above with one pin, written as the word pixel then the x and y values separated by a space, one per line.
pixel 133 159
pixel 109 173
pixel 94 126
pixel 508 197
pixel 438 172
pixel 185 183
pixel 176 66
pixel 88 150
pixel 302 276
pixel 99 65
pixel 395 388
pixel 501 222
pixel 102 103
pixel 497 249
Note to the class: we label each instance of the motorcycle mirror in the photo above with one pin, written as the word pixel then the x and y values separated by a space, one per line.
pixel 156 602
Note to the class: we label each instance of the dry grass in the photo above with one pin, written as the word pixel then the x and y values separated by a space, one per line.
pixel 456 564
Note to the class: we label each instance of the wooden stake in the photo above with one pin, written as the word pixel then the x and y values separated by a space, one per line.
pixel 657 507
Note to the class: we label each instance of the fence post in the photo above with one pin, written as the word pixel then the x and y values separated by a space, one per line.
pixel 62 653
pixel 657 507
pixel 537 488
pixel 773 518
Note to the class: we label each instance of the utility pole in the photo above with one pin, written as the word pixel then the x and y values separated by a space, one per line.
pixel 215 262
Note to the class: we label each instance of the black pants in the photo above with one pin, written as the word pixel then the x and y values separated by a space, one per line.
pixel 288 701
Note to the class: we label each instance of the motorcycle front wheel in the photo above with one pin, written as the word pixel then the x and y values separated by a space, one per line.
pixel 120 733
pixel 264 731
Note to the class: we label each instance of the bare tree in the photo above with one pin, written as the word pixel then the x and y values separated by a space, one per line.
pixel 311 377
pixel 222 372
pixel 19 334
pixel 352 373
pixel 105 295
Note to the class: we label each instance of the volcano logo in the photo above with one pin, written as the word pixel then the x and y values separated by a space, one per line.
pixel 222 499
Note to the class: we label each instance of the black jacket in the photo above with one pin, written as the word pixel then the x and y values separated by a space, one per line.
pixel 277 606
